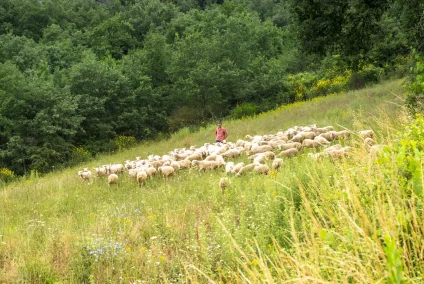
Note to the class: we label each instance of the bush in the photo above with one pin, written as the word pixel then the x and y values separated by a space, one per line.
pixel 79 155
pixel 6 175
pixel 415 97
pixel 244 110
pixel 409 152
pixel 125 142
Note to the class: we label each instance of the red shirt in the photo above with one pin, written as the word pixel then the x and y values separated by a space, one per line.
pixel 221 133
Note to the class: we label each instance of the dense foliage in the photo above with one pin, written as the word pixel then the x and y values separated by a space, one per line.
pixel 78 74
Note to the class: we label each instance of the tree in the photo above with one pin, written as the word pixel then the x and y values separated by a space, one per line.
pixel 338 27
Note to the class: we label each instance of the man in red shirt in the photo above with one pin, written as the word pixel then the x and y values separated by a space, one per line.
pixel 221 133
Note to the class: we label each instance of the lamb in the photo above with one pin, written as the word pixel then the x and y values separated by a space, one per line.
pixel 329 136
pixel 203 165
pixel 151 171
pixel 367 134
pixel 101 171
pixel 132 173
pixel 309 143
pixel 229 167
pixel 115 168
pixel 261 169
pixel 112 179
pixel 231 153
pixel 195 156
pixel 373 149
pixel 341 134
pixel 321 140
pixel 277 163
pixel 141 177
pixel 290 145
pixel 260 149
pixel 245 169
pixel 184 164
pixel 224 182
pixel 237 167
pixel 85 174
pixel 166 171
pixel 288 153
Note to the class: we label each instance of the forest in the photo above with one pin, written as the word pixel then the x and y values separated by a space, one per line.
pixel 83 77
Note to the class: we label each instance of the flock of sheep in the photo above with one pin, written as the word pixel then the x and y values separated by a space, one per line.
pixel 265 152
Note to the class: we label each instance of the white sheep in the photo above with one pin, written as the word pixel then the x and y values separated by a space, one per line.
pixel 141 177
pixel 245 169
pixel 229 167
pixel 237 168
pixel 85 174
pixel 203 165
pixel 184 164
pixel 166 171
pixel 290 145
pixel 112 179
pixel 151 171
pixel 224 182
pixel 277 163
pixel 309 143
pixel 260 149
pixel 367 134
pixel 288 153
pixel 261 169
pixel 101 171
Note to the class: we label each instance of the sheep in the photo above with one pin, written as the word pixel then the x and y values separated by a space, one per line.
pixel 309 143
pixel 151 171
pixel 261 169
pixel 290 145
pixel 132 173
pixel 334 147
pixel 112 179
pixel 277 163
pixel 308 134
pixel 373 149
pixel 101 171
pixel 368 142
pixel 316 156
pixel 229 167
pixel 288 153
pixel 297 138
pixel 115 168
pixel 237 167
pixel 320 130
pixel 260 149
pixel 141 177
pixel 224 182
pixel 166 171
pixel 329 136
pixel 341 134
pixel 321 140
pixel 203 165
pixel 231 153
pixel 184 164
pixel 195 156
pixel 245 169
pixel 85 174
pixel 367 134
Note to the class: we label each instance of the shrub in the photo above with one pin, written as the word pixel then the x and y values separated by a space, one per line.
pixel 79 155
pixel 415 98
pixel 244 110
pixel 6 175
pixel 408 152
pixel 124 142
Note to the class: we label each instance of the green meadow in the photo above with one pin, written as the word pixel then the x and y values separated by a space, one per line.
pixel 354 220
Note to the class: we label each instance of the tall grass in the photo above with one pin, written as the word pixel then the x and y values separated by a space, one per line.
pixel 345 221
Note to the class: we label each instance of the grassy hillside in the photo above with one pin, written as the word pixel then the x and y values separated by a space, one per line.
pixel 310 222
